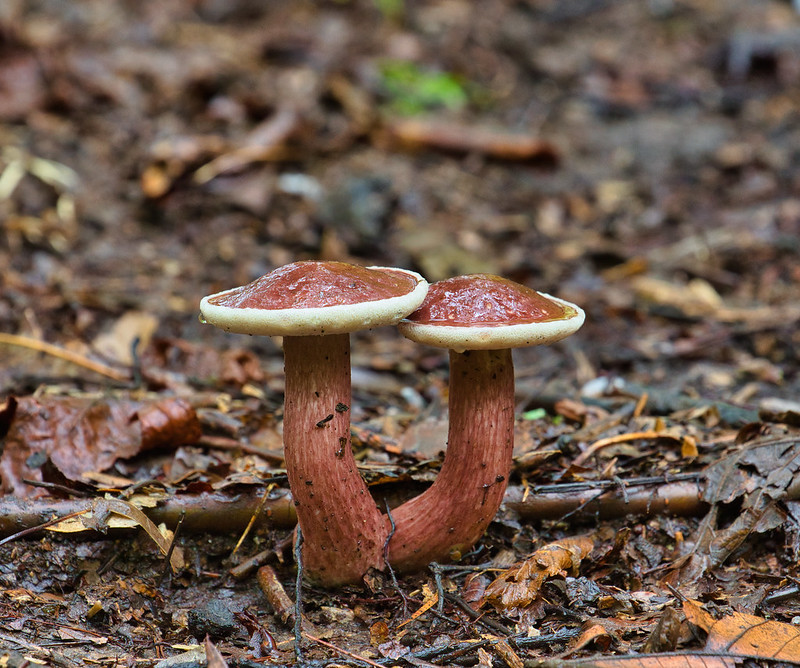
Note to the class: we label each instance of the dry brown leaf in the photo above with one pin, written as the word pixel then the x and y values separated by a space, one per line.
pixel 214 658
pixel 519 586
pixel 696 660
pixel 746 635
pixel 266 142
pixel 378 633
pixel 103 508
pixel 169 362
pixel 759 474
pixel 85 434
pixel 665 634
pixel 592 634
pixel 696 298
pixel 133 329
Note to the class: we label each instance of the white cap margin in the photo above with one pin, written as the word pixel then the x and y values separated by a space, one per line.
pixel 495 337
pixel 340 319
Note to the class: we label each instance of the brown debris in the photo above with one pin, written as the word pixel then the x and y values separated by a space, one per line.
pixel 452 136
pixel 156 152
pixel 85 434
pixel 519 586
pixel 745 635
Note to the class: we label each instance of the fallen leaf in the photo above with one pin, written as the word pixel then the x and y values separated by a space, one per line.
pixel 592 634
pixel 760 474
pixel 266 142
pixel 22 86
pixel 76 635
pixel 378 633
pixel 746 635
pixel 677 660
pixel 109 513
pixel 85 434
pixel 169 362
pixel 213 657
pixel 665 634
pixel 133 329
pixel 697 298
pixel 519 586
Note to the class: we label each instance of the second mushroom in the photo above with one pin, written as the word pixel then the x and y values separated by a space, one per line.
pixel 479 318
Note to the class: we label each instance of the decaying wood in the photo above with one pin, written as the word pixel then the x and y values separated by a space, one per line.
pixel 208 512
pixel 607 499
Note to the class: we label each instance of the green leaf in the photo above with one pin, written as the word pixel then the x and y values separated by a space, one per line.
pixel 412 90
pixel 535 414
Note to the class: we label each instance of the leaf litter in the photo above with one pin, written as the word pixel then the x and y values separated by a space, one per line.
pixel 153 157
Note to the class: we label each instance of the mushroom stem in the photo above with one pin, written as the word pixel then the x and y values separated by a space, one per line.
pixel 343 530
pixel 449 517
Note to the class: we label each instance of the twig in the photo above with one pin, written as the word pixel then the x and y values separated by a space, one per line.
pixel 436 567
pixel 108 563
pixel 261 558
pixel 256 513
pixel 281 604
pixel 477 617
pixel 136 365
pixel 64 354
pixel 55 487
pixel 595 447
pixel 236 445
pixel 386 559
pixel 30 530
pixel 343 652
pixel 207 512
pixel 446 653
pixel 171 548
pixel 622 488
pixel 298 597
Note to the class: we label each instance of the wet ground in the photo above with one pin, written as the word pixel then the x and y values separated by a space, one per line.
pixel 638 159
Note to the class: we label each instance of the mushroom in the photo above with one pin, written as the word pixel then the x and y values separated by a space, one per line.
pixel 479 318
pixel 314 306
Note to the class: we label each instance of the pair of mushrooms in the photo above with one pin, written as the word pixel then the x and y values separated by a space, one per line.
pixel 479 318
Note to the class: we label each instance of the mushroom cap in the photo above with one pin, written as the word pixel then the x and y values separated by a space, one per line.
pixel 487 312
pixel 316 298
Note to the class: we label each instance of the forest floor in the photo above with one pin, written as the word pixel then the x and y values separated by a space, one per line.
pixel 641 159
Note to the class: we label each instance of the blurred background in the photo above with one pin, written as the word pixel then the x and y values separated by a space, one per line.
pixel 638 158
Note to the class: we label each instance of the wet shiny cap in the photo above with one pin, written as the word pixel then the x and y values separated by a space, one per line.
pixel 487 312
pixel 316 298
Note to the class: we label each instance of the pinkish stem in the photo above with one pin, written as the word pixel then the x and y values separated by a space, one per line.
pixel 448 519
pixel 343 530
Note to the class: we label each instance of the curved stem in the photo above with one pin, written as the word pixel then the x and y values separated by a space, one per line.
pixel 449 517
pixel 343 530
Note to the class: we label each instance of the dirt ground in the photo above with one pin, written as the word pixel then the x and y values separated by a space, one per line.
pixel 641 159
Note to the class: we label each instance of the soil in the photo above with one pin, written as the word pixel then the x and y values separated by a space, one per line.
pixel 640 159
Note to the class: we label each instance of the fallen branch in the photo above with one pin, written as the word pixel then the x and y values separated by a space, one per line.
pixel 218 513
pixel 608 499
pixel 211 512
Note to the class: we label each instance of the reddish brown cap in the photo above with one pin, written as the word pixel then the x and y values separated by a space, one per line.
pixel 315 298
pixel 486 312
